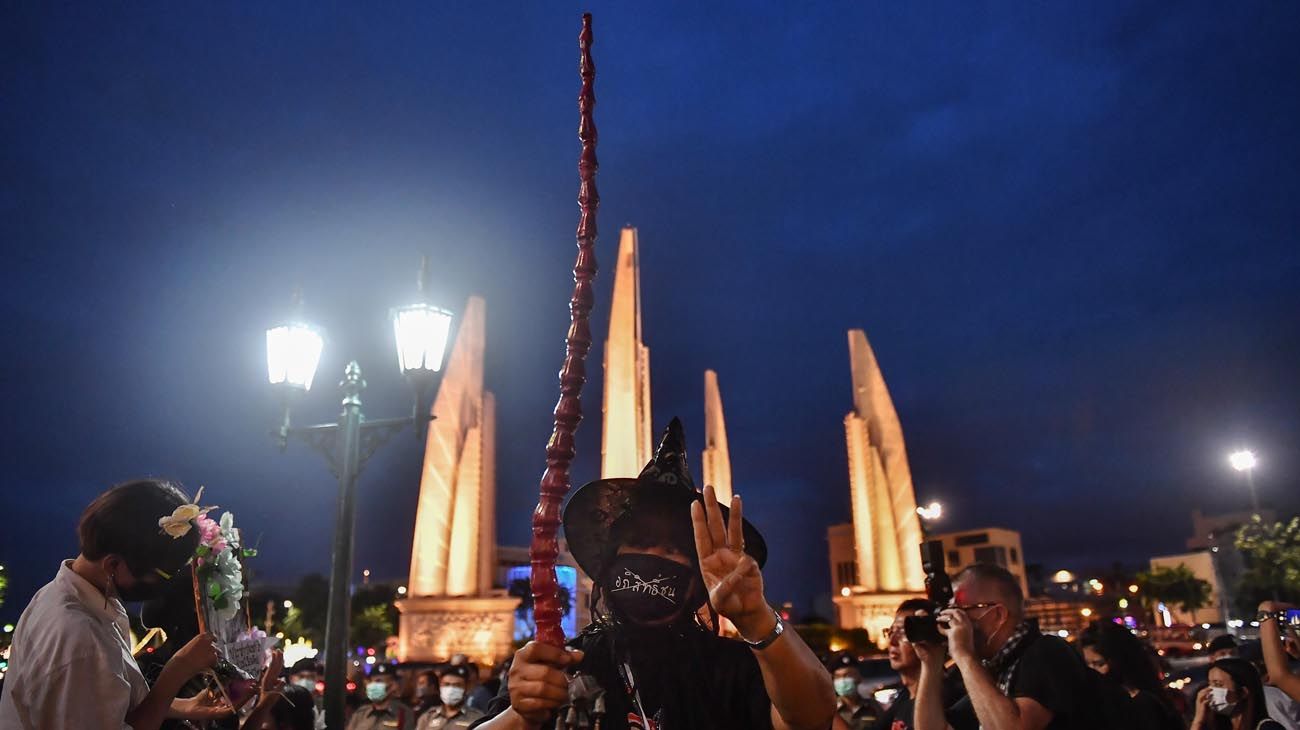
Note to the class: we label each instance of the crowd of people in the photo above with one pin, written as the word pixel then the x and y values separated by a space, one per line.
pixel 995 669
pixel 670 567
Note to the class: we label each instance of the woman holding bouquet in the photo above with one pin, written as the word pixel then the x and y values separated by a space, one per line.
pixel 70 664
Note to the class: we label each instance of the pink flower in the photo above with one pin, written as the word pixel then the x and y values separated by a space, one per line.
pixel 210 533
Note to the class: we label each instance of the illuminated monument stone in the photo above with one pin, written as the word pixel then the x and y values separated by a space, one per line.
pixel 717 460
pixel 885 536
pixel 451 607
pixel 625 437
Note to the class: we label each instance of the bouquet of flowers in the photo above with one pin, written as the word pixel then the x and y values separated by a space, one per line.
pixel 217 567
pixel 219 597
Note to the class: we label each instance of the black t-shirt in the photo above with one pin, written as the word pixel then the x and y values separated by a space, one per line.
pixel 1052 674
pixel 691 680
pixel 901 714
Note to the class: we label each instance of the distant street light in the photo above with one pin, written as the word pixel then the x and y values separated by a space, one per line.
pixel 1244 461
pixel 288 603
pixel 293 352
pixel 930 512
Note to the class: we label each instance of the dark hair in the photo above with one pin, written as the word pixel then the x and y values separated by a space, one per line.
pixel 1006 585
pixel 296 709
pixel 1245 677
pixel 306 664
pixel 1130 663
pixel 459 670
pixel 912 605
pixel 1220 643
pixel 124 521
pixel 428 674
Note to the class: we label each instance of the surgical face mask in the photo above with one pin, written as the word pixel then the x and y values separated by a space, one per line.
pixel 452 695
pixel 845 686
pixel 376 691
pixel 647 589
pixel 1219 701
pixel 306 683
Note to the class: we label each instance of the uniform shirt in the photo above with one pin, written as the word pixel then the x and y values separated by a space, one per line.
pixel 436 718
pixel 861 717
pixel 394 716
pixel 70 665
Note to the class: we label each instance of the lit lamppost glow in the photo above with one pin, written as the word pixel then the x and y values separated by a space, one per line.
pixel 1243 460
pixel 293 353
pixel 930 512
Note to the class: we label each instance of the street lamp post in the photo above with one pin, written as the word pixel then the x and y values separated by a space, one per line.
pixel 293 352
pixel 1245 461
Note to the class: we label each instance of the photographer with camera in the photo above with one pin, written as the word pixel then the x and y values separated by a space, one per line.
pixel 1016 678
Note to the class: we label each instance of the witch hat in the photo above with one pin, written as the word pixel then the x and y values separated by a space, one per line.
pixel 595 507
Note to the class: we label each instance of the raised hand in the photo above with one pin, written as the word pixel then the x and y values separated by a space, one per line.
pixel 731 576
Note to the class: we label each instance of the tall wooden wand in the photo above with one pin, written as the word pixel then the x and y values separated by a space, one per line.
pixel 568 411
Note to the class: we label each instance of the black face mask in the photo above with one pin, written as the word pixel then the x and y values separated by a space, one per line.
pixel 649 590
pixel 138 592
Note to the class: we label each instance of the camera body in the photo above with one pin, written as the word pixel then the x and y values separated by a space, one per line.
pixel 938 588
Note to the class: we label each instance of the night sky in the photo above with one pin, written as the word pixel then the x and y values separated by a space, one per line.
pixel 1070 235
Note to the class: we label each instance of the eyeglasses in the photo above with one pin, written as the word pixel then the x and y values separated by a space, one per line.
pixel 973 606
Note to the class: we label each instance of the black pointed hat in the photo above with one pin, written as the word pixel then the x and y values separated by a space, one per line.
pixel 596 507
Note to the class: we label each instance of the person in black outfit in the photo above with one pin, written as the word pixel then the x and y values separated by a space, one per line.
pixel 1015 676
pixel 659 552
pixel 1121 658
pixel 905 659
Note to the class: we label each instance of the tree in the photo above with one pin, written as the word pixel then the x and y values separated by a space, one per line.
pixel 1271 553
pixel 1176 586
pixel 310 606
pixel 371 627
pixel 522 589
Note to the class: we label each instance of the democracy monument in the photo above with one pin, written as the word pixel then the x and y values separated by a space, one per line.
pixel 457 600
pixel 875 561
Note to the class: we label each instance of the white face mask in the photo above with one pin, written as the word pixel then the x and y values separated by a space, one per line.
pixel 306 683
pixel 452 695
pixel 1219 701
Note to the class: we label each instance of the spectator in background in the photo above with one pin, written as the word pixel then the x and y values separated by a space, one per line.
pixel 905 658
pixel 452 713
pixel 1222 647
pixel 1233 700
pixel 295 710
pixel 1115 653
pixel 426 692
pixel 382 710
pixel 855 706
pixel 304 673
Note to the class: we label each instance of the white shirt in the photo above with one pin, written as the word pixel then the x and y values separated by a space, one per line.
pixel 1281 707
pixel 70 665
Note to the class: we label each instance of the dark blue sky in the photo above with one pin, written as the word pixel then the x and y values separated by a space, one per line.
pixel 1070 235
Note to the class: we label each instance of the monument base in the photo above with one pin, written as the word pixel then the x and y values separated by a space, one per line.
pixel 871 611
pixel 433 628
